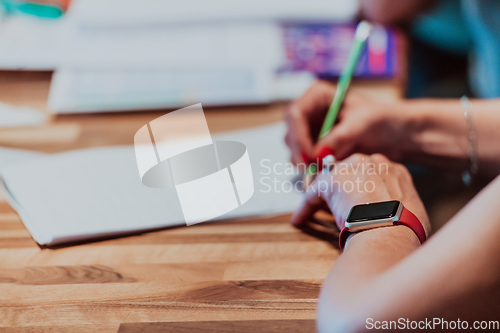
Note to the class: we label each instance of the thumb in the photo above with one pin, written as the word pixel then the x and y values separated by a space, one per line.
pixel 313 202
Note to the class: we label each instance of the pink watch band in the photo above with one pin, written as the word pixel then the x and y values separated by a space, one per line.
pixel 407 218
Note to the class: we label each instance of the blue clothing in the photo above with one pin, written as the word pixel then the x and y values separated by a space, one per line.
pixel 472 27
pixel 483 20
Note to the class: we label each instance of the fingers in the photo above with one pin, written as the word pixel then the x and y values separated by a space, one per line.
pixel 298 137
pixel 304 118
pixel 349 133
pixel 316 99
pixel 358 179
pixel 341 140
pixel 312 203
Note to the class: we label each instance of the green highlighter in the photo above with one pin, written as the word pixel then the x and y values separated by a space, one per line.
pixel 360 36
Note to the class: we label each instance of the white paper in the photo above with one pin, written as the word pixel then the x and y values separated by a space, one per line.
pixel 105 13
pixel 92 90
pixel 207 197
pixel 244 185
pixel 9 156
pixel 92 193
pixel 12 116
pixel 28 43
pixel 158 33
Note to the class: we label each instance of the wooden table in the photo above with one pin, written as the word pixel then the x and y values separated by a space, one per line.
pixel 254 275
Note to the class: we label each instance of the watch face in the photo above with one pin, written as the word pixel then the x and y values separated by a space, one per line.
pixel 373 211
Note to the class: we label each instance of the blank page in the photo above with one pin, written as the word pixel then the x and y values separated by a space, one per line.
pixel 97 192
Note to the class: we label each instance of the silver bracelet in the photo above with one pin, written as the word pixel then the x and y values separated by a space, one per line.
pixel 473 161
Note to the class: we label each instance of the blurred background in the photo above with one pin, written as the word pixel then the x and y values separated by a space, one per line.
pixel 116 55
pixel 98 60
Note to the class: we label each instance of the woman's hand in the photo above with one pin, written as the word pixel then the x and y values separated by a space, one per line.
pixel 360 179
pixel 364 126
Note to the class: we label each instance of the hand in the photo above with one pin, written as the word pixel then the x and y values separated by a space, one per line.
pixel 357 180
pixel 364 126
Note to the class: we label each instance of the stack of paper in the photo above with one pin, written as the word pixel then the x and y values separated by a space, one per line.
pixel 105 13
pixel 93 193
pixel 11 116
pixel 102 33
pixel 92 90
pixel 163 54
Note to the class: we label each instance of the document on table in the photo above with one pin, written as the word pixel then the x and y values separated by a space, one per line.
pixel 27 43
pixel 94 193
pixel 158 33
pixel 104 13
pixel 12 116
pixel 96 90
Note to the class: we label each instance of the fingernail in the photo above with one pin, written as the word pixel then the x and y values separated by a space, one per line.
pixel 305 157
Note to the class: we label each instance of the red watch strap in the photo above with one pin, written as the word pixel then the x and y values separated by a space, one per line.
pixel 407 218
pixel 344 234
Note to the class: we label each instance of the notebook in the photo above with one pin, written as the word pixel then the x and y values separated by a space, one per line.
pixel 96 193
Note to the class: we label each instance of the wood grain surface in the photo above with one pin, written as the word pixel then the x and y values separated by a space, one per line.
pixel 249 275
pixel 285 326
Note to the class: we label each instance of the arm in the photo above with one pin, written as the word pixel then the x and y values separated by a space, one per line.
pixel 439 135
pixel 384 274
pixel 431 132
pixel 390 11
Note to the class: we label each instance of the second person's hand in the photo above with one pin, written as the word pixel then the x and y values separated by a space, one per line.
pixel 357 180
pixel 364 126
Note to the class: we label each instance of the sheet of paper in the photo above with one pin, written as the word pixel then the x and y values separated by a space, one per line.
pixel 12 116
pixel 93 193
pixel 96 90
pixel 102 13
pixel 158 33
pixel 274 178
pixel 91 90
pixel 10 156
pixel 86 194
pixel 28 43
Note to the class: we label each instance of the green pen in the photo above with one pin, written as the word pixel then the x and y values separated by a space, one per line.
pixel 362 33
pixel 360 36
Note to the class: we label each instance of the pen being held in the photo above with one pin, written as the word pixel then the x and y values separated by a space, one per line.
pixel 360 37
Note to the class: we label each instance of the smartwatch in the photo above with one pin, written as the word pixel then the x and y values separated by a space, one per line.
pixel 380 214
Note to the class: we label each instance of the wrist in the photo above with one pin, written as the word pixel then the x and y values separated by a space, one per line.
pixel 418 120
pixel 412 121
pixel 382 214
pixel 384 238
pixel 436 133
